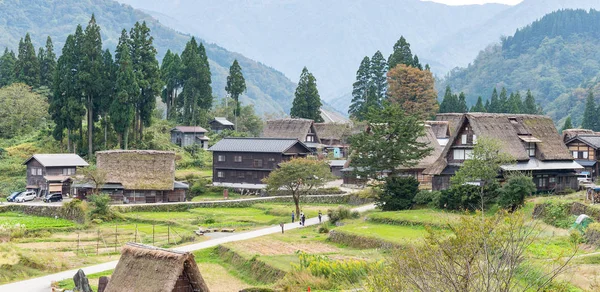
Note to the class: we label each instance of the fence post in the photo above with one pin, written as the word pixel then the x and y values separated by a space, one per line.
pixel 135 234
pixel 168 234
pixel 153 234
pixel 98 242
pixel 77 242
pixel 116 238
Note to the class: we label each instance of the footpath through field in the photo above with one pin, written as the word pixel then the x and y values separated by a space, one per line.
pixel 42 284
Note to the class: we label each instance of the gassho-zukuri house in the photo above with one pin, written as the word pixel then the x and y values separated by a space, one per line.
pixel 532 140
pixel 137 176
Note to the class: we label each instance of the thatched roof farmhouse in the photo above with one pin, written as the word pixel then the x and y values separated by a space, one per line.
pixel 301 129
pixel 144 268
pixel 532 140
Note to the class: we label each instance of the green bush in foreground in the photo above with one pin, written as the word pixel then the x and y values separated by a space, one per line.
pixel 341 213
pixel 398 193
pixel 513 193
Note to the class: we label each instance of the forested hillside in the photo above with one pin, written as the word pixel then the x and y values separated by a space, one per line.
pixel 267 88
pixel 557 57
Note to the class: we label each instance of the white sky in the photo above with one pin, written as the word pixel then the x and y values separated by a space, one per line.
pixel 467 2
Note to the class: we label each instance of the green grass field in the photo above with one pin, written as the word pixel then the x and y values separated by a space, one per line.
pixel 34 222
pixel 392 233
pixel 415 217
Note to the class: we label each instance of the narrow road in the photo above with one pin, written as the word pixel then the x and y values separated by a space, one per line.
pixel 42 284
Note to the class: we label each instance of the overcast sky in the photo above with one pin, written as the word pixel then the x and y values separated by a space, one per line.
pixel 466 2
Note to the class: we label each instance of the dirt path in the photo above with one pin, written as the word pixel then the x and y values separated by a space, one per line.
pixel 42 284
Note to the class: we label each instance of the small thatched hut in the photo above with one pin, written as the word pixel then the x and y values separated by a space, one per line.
pixel 301 129
pixel 151 269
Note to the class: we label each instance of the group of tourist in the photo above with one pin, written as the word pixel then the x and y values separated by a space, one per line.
pixel 302 217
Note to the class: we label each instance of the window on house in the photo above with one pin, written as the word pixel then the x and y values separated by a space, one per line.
pixel 463 139
pixel 258 163
pixel 237 158
pixel 33 171
pixel 468 154
pixel 584 155
pixel 271 159
pixel 553 180
pixel 221 158
pixel 220 174
pixel 68 171
pixel 39 171
pixel 474 139
pixel 459 154
pixel 310 138
pixel 531 149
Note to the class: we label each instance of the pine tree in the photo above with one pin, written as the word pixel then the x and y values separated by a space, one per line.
pixel 515 104
pixel 147 71
pixel 122 108
pixel 462 103
pixel 529 106
pixel 478 107
pixel 7 67
pixel 568 124
pixel 47 64
pixel 90 75
pixel 360 89
pixel 307 102
pixel 589 114
pixel 170 72
pixel 78 53
pixel 401 54
pixel 416 63
pixel 107 93
pixel 236 85
pixel 379 70
pixel 197 93
pixel 495 106
pixel 27 66
pixel 503 101
pixel 447 105
pixel 487 105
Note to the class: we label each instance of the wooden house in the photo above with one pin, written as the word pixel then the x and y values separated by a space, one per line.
pixel 52 173
pixel 244 162
pixel 585 149
pixel 334 138
pixel 532 140
pixel 144 268
pixel 137 176
pixel 301 129
pixel 218 124
pixel 184 136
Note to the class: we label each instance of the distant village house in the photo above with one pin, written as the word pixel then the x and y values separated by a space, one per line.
pixel 184 136
pixel 52 173
pixel 219 124
pixel 301 129
pixel 584 146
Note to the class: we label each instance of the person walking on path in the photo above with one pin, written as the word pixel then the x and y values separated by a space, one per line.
pixel 320 216
pixel 303 218
pixel 293 216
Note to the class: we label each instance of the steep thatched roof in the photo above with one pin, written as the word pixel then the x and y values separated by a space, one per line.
pixel 138 169
pixel 452 119
pixel 287 128
pixel 432 142
pixel 569 134
pixel 333 117
pixel 511 130
pixel 332 131
pixel 151 269
pixel 441 129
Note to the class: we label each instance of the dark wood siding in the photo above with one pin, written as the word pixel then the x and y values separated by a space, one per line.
pixel 35 179
pixel 217 127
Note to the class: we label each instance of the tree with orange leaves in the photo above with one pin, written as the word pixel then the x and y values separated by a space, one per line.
pixel 413 89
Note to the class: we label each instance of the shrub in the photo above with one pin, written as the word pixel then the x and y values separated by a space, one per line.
pixel 340 271
pixel 592 234
pixel 557 214
pixel 323 228
pixel 338 214
pixel 466 197
pixel 425 197
pixel 97 221
pixel 101 208
pixel 513 193
pixel 199 187
pixel 75 209
pixel 398 193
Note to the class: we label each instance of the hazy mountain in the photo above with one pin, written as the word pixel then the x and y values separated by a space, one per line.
pixel 267 88
pixel 557 57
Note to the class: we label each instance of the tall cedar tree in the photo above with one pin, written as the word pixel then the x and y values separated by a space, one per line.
pixel 478 107
pixel 236 85
pixel 379 70
pixel 515 104
pixel 449 102
pixel 193 83
pixel 590 119
pixel 307 102
pixel 27 66
pixel 47 64
pixel 462 103
pixel 90 76
pixel 413 90
pixel 170 72
pixel 568 124
pixel 503 101
pixel 147 75
pixel 487 105
pixel 122 109
pixel 7 67
pixel 107 92
pixel 529 106
pixel 66 108
pixel 401 54
pixel 360 102
pixel 390 142
pixel 495 106
pixel 206 98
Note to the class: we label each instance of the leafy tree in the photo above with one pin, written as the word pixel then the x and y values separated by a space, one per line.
pixel 590 116
pixel 47 64
pixel 236 85
pixel 307 102
pixel 96 177
pixel 514 191
pixel 249 124
pixel 495 104
pixel 21 110
pixel 379 70
pixel 122 109
pixel 481 253
pixel 478 107
pixel 413 90
pixel 27 66
pixel 529 106
pixel 568 124
pixel 398 193
pixel 390 142
pixel 7 67
pixel 298 176
pixel 483 166
pixel 401 55
pixel 360 91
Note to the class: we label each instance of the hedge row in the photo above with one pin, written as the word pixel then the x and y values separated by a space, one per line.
pixel 358 241
pixel 405 222
pixel 259 270
pixel 46 211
